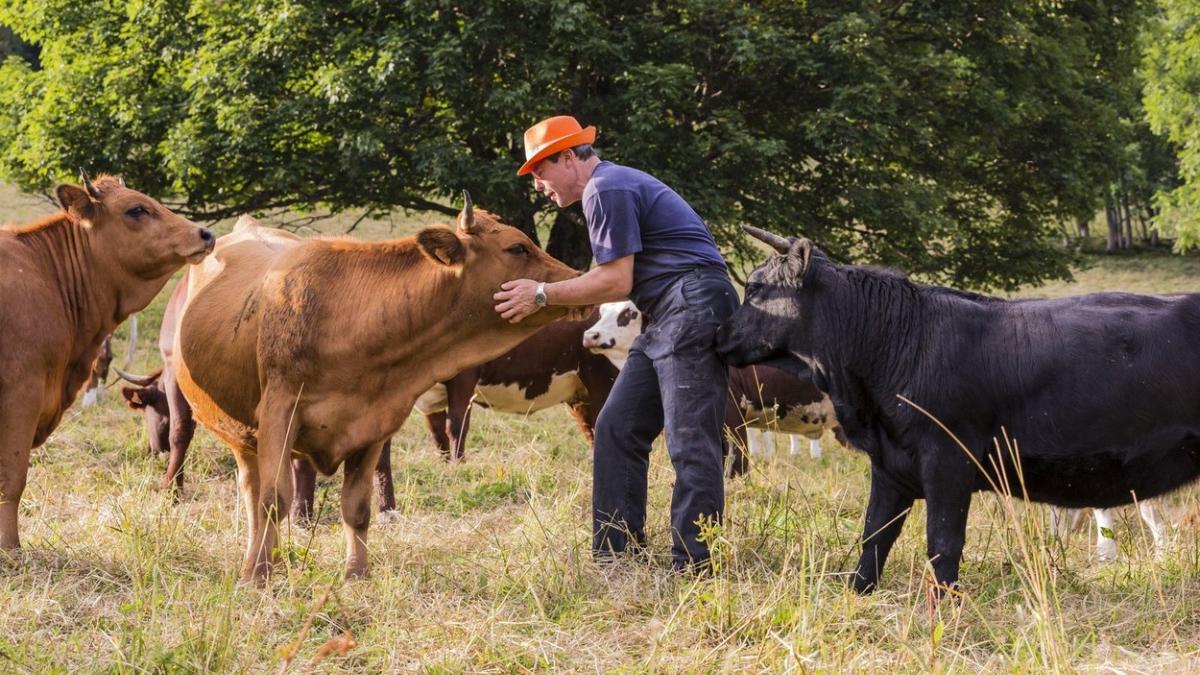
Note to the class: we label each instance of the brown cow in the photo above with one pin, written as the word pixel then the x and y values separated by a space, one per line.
pixel 170 425
pixel 322 347
pixel 550 368
pixel 65 283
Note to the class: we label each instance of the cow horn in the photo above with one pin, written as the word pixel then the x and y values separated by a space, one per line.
pixel 467 220
pixel 139 380
pixel 121 181
pixel 777 242
pixel 87 183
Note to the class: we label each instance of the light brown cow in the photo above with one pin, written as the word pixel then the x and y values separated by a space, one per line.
pixel 65 283
pixel 322 346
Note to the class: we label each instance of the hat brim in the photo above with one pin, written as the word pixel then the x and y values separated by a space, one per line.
pixel 581 137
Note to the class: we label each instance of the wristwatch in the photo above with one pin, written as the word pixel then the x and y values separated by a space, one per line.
pixel 539 296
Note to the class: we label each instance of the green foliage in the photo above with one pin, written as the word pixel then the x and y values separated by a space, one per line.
pixel 1172 74
pixel 946 138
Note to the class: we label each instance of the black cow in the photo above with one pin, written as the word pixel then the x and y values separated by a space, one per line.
pixel 1099 394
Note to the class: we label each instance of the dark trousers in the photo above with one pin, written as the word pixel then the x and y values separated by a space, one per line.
pixel 673 380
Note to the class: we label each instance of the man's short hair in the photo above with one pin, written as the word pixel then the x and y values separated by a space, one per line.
pixel 584 151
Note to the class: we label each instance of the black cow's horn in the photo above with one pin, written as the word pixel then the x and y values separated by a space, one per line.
pixel 139 380
pixel 87 183
pixel 777 242
pixel 468 212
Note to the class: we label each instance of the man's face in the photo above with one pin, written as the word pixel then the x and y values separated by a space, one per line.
pixel 559 180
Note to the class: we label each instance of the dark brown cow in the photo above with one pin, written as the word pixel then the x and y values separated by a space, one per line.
pixel 170 425
pixel 550 368
pixel 321 347
pixel 93 391
pixel 65 284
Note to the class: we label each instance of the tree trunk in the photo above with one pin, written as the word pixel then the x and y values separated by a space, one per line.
pixel 1081 224
pixel 569 240
pixel 1128 218
pixel 1113 242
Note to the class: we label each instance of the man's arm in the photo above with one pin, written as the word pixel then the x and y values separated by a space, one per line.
pixel 604 283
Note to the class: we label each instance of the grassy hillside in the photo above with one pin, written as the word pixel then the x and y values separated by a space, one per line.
pixel 486 568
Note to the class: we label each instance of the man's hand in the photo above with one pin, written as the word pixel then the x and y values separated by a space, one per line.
pixel 515 299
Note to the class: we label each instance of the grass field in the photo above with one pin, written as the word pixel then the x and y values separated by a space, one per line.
pixel 486 568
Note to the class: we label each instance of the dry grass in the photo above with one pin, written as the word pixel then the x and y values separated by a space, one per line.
pixel 486 566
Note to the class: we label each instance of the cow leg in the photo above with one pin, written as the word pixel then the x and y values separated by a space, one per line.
pixel 359 470
pixel 1106 546
pixel 386 493
pixel 459 393
pixel 276 434
pixel 734 440
pixel 585 418
pixel 887 509
pixel 183 429
pixel 16 441
pixel 948 500
pixel 248 487
pixel 754 442
pixel 18 430
pixel 304 478
pixel 1157 529
pixel 439 427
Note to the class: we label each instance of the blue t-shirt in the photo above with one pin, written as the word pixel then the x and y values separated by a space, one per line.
pixel 630 212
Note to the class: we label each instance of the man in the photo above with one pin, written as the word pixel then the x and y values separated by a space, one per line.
pixel 651 247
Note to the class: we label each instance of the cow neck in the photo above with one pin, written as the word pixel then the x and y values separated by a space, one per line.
pixel 884 310
pixel 65 249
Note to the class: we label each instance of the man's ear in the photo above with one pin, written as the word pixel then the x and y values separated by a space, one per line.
pixel 799 259
pixel 442 245
pixel 76 201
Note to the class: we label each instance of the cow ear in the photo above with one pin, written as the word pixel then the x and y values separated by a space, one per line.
pixel 799 259
pixel 442 245
pixel 134 397
pixel 76 201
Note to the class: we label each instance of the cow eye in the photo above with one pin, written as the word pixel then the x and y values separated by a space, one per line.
pixel 137 212
pixel 517 249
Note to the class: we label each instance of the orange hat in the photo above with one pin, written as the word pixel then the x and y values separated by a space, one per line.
pixel 552 135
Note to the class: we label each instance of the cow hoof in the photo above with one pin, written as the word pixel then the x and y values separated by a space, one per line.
pixel 1106 555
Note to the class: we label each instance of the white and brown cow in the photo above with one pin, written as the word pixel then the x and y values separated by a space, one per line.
pixel 760 397
pixel 550 368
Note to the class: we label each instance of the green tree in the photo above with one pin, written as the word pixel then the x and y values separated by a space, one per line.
pixel 941 137
pixel 1172 73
